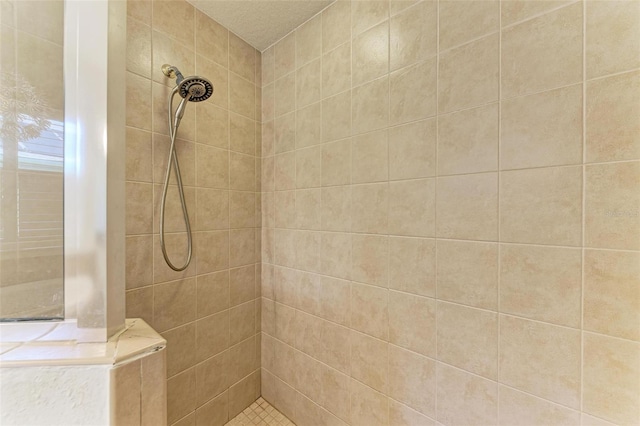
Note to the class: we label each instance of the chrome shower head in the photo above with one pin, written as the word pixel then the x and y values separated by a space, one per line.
pixel 195 89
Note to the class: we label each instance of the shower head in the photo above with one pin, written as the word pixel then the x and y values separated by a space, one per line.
pixel 193 89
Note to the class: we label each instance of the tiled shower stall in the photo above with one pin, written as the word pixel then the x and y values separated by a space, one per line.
pixel 405 213
pixel 210 313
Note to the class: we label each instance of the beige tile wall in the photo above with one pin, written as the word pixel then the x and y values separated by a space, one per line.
pixel 451 214
pixel 209 313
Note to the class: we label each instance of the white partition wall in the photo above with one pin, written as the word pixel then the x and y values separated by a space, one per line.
pixel 95 53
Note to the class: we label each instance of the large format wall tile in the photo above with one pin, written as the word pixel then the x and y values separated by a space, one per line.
pixel 611 212
pixel 469 75
pixel 610 378
pixel 541 359
pixel 455 17
pixel 541 206
pixel 543 53
pixel 541 130
pixel 612 293
pixel 613 37
pixel 413 35
pixel 610 135
pixel 542 283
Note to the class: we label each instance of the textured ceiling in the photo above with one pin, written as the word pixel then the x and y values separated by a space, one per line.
pixel 260 22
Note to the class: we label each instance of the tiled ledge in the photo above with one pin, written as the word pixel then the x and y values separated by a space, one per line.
pixel 47 343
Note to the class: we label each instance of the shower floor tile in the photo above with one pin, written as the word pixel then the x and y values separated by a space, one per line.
pixel 260 413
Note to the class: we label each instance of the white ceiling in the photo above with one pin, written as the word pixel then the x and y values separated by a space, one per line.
pixel 260 22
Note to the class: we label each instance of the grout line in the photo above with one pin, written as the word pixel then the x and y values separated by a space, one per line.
pixel 499 245
pixel 350 195
pixel 362 234
pixel 615 74
pixel 388 188
pixel 565 407
pixel 540 92
pixel 228 191
pixel 435 214
pixel 467 42
pixel 583 193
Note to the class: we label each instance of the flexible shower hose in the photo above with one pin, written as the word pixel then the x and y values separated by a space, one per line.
pixel 173 159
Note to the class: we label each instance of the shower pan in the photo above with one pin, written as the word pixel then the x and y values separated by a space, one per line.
pixel 191 89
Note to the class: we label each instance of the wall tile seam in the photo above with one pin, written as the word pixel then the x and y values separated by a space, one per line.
pixel 216 188
pixel 617 338
pixel 341 45
pixel 392 72
pixel 469 42
pixel 172 38
pixel 227 388
pixel 376 182
pixel 300 65
pixel 141 76
pixel 364 234
pixel 405 404
pixel 194 141
pixel 142 234
pixel 453 112
pixel 194 366
pixel 224 149
pixel 539 92
pixel 365 29
pixel 177 422
pixel 537 15
pixel 461 240
pixel 196 275
pixel 373 80
pixel 611 75
pixel 325 409
pixel 246 377
pixel 242 78
pixel 203 231
pixel 30 34
pixel 583 194
pixel 243 154
pixel 439 114
pixel 142 287
pixel 575 165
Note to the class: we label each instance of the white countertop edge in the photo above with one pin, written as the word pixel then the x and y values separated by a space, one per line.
pixel 56 345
